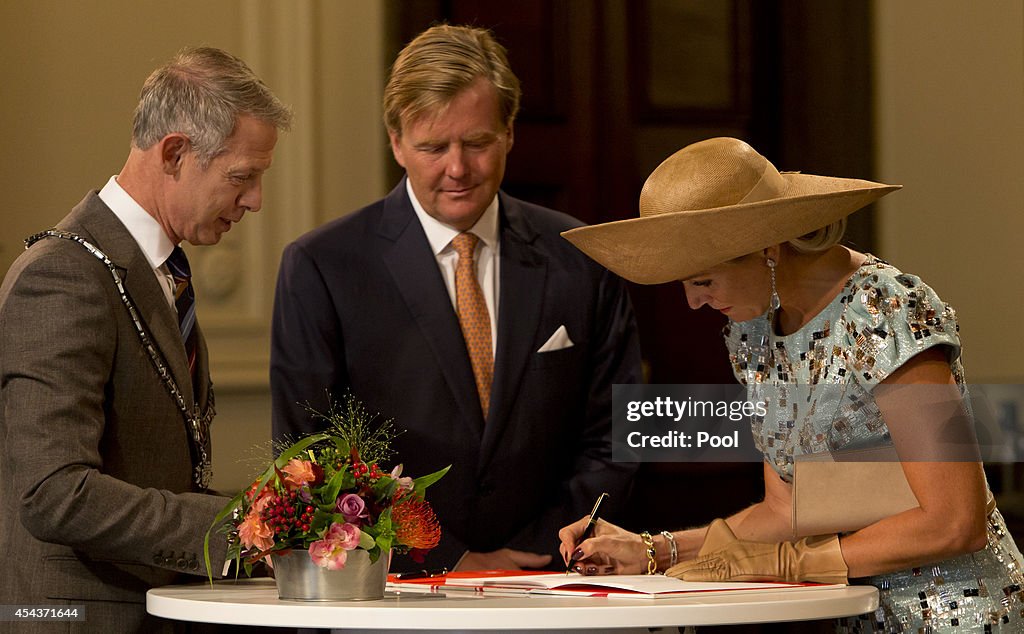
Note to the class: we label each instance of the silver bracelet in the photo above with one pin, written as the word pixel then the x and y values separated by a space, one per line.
pixel 673 552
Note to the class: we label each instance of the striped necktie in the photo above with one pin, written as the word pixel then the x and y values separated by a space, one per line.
pixel 473 317
pixel 185 304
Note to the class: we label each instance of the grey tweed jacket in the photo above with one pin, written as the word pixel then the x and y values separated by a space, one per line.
pixel 97 503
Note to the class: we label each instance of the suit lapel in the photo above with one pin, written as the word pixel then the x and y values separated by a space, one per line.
pixel 203 385
pixel 107 233
pixel 523 276
pixel 159 317
pixel 413 267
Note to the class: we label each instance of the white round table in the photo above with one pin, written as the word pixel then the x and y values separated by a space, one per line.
pixel 255 602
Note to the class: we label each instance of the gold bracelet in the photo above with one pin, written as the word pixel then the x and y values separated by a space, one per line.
pixel 673 552
pixel 652 555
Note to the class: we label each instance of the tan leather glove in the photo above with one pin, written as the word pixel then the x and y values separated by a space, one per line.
pixel 725 558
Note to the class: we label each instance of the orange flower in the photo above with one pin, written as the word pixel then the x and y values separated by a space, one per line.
pixel 253 532
pixel 251 491
pixel 415 523
pixel 262 502
pixel 300 472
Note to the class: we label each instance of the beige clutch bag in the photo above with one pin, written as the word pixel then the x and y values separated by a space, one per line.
pixel 848 490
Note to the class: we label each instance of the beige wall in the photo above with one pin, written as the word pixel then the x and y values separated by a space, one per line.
pixel 69 80
pixel 950 127
pixel 70 76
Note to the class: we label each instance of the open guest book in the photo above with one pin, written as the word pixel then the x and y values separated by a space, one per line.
pixel 520 582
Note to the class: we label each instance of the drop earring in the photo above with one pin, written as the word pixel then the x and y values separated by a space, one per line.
pixel 774 302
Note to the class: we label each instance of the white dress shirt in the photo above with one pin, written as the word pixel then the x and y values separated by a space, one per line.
pixel 148 233
pixel 486 255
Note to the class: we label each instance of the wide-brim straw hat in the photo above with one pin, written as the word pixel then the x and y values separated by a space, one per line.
pixel 714 201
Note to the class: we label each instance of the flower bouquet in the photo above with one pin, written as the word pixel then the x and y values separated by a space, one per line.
pixel 327 495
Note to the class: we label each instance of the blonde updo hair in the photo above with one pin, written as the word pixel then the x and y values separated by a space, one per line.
pixel 820 239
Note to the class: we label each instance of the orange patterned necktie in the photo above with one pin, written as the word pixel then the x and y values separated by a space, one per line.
pixel 473 317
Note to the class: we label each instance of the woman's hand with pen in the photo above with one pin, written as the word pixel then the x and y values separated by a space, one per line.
pixel 611 550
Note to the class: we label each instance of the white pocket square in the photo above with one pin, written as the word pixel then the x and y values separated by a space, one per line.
pixel 558 341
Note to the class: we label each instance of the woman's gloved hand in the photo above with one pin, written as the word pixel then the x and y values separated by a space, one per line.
pixel 725 558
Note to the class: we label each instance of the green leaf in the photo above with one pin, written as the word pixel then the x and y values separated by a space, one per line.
pixel 342 446
pixel 366 541
pixel 331 490
pixel 299 447
pixel 384 488
pixel 421 483
pixel 221 516
pixel 384 542
pixel 320 523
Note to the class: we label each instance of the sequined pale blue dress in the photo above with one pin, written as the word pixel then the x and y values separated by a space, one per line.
pixel 881 319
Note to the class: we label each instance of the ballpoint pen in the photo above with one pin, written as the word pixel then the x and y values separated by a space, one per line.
pixel 421 574
pixel 589 530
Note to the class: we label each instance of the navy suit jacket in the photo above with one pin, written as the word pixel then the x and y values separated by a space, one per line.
pixel 361 305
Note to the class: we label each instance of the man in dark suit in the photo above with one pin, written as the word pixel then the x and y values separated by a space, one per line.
pixel 105 409
pixel 459 312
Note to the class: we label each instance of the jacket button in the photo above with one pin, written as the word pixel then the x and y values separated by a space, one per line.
pixel 158 558
pixel 486 488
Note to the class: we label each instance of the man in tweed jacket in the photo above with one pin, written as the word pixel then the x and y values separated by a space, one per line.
pixel 102 477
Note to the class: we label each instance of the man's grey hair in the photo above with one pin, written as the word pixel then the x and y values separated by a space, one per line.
pixel 200 93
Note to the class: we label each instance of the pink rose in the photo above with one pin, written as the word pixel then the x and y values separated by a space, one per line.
pixel 328 554
pixel 352 507
pixel 345 535
pixel 332 551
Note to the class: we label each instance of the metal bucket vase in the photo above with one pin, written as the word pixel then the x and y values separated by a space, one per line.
pixel 299 579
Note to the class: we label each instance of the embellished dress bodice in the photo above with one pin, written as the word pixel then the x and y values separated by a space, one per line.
pixel 880 319
pixel 821 379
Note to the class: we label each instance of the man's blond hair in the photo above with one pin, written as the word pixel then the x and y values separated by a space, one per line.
pixel 441 62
